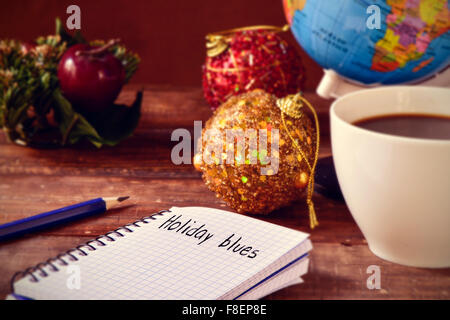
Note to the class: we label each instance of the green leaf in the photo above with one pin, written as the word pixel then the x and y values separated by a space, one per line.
pixel 73 126
pixel 65 36
pixel 117 122
pixel 45 80
pixel 61 31
pixel 108 127
pixel 78 37
pixel 83 129
pixel 17 115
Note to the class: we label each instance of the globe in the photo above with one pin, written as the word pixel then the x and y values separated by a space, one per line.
pixel 374 41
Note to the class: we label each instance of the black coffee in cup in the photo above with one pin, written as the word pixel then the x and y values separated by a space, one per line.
pixel 425 126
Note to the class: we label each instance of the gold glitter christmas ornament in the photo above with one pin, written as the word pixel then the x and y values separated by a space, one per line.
pixel 258 153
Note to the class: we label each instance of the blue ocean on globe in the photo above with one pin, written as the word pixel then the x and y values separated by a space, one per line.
pixel 411 41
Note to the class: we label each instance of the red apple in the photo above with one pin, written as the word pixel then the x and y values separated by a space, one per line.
pixel 90 77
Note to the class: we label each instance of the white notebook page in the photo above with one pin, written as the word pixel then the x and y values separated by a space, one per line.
pixel 154 262
pixel 288 277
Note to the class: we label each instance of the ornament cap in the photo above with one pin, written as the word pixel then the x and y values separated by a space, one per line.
pixel 215 45
pixel 291 105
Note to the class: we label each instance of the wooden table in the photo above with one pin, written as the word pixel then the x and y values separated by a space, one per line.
pixel 33 181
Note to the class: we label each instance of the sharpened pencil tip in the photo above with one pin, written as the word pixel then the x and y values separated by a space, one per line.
pixel 120 199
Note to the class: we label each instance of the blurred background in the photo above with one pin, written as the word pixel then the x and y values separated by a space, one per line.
pixel 168 35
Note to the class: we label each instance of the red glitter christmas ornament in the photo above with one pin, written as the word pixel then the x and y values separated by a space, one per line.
pixel 244 59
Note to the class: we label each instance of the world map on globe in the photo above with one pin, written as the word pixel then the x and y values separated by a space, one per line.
pixel 410 43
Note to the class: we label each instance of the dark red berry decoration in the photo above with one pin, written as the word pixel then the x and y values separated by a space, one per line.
pixel 241 60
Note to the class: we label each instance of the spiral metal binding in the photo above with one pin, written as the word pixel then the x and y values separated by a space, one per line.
pixel 39 269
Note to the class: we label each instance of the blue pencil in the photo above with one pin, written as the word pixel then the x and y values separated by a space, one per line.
pixel 63 215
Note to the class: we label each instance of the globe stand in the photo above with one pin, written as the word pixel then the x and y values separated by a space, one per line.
pixel 333 85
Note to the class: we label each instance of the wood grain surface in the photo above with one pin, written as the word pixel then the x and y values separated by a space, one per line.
pixel 34 181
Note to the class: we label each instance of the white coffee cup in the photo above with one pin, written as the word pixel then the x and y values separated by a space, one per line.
pixel 397 188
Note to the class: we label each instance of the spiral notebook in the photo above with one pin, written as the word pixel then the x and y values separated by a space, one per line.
pixel 181 253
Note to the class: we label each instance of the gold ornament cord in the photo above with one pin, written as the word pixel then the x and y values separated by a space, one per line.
pixel 291 106
pixel 217 42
